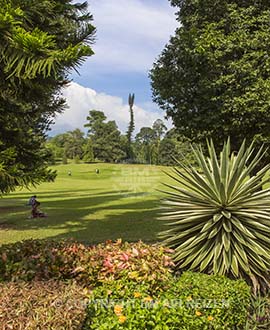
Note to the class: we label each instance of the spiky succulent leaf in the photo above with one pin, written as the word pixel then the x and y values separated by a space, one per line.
pixel 219 216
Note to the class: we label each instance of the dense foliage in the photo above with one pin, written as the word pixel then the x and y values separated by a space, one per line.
pixel 119 286
pixel 123 285
pixel 213 77
pixel 89 265
pixel 35 61
pixel 219 215
pixel 42 305
pixel 104 142
pixel 193 301
pixel 105 136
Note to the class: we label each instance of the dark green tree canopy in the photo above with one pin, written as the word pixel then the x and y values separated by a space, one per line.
pixel 213 77
pixel 173 148
pixel 95 122
pixel 74 144
pixel 88 155
pixel 40 43
pixel 106 138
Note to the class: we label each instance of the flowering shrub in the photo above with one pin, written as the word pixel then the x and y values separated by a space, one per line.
pixel 89 265
pixel 193 301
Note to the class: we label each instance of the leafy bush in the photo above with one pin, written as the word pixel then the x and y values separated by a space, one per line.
pixel 136 275
pixel 193 301
pixel 42 305
pixel 219 215
pixel 89 265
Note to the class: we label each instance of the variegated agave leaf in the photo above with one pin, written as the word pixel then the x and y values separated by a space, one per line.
pixel 219 216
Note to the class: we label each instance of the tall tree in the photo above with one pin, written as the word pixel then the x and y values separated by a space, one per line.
pixel 175 148
pixel 57 144
pixel 213 77
pixel 105 136
pixel 40 43
pixel 159 130
pixel 88 155
pixel 131 126
pixel 145 145
pixel 74 144
pixel 95 121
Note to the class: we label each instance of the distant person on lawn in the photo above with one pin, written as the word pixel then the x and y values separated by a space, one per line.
pixel 32 200
pixel 35 212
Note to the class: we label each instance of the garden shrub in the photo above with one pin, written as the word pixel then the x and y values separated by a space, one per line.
pixel 128 286
pixel 217 217
pixel 41 305
pixel 31 259
pixel 191 302
pixel 89 265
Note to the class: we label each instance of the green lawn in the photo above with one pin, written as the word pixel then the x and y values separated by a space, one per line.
pixel 120 202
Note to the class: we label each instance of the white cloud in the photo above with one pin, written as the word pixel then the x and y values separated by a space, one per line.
pixel 81 99
pixel 130 36
pixel 130 33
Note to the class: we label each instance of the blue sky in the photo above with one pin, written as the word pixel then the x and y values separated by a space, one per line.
pixel 130 36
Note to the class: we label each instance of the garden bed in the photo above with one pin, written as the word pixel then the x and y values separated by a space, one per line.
pixel 115 285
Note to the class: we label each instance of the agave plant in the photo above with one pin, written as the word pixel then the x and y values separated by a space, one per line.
pixel 219 215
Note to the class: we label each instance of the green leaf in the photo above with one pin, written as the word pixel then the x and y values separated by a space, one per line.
pixel 216 234
pixel 234 265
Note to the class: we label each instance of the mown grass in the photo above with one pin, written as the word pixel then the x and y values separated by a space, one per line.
pixel 121 201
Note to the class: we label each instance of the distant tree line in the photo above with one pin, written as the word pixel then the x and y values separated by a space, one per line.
pixel 104 142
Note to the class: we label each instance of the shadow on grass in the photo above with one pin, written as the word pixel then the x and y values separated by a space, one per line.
pixel 59 193
pixel 92 218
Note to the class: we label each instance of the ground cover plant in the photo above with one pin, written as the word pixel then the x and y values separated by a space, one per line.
pixel 120 202
pixel 42 305
pixel 192 301
pixel 88 265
